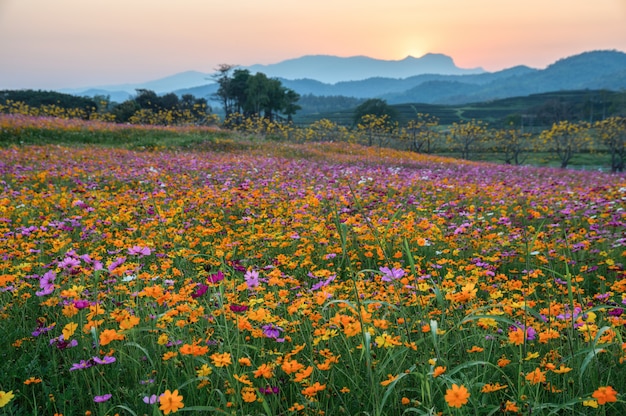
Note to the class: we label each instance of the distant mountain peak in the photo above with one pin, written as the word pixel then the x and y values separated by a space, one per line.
pixel 333 69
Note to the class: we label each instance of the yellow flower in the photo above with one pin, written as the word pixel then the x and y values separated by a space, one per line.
pixel 69 329
pixel 163 339
pixel 562 370
pixel 590 403
pixel 385 341
pixel 171 402
pixel 5 397
pixel 204 371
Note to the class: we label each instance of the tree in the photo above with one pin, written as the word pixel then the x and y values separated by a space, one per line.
pixel 565 139
pixel 125 110
pixel 147 99
pixel 421 131
pixel 290 106
pixel 379 127
pixel 467 137
pixel 512 144
pixel 375 107
pixel 612 132
pixel 224 92
pixel 168 101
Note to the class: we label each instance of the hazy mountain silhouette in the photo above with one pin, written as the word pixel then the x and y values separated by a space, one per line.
pixel 332 69
pixel 589 70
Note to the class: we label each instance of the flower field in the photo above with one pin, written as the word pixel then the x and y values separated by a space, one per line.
pixel 307 279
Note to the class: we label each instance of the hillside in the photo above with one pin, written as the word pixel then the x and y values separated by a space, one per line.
pixel 536 109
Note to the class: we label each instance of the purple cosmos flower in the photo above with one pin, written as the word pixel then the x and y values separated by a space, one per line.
pixel 151 399
pixel 41 329
pixel 45 283
pixel 323 283
pixel 81 303
pixel 531 334
pixel 139 251
pixel 391 275
pixel 104 360
pixel 116 263
pixel 238 308
pixel 201 290
pixel 69 263
pixel 269 390
pixel 252 278
pixel 273 331
pixel 215 277
pixel 62 344
pixel 81 365
pixel 103 398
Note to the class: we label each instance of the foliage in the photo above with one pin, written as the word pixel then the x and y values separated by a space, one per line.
pixel 254 95
pixel 39 98
pixel 466 138
pixel 612 132
pixel 377 108
pixel 566 139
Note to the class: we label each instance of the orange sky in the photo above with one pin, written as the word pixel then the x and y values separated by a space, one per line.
pixel 73 43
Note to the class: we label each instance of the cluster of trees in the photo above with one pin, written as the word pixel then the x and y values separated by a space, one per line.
pixel 149 108
pixel 145 108
pixel 38 98
pixel 256 95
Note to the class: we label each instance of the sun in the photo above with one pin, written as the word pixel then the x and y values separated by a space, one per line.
pixel 412 47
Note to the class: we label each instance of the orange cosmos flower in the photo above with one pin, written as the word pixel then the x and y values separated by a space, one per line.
pixel 264 371
pixel 390 379
pixel 457 396
pixel 503 362
pixel 194 349
pixel 536 376
pixel 312 390
pixel 517 336
pixel 303 374
pixel 245 361
pixel 291 366
pixel 605 395
pixel 490 388
pixel 439 370
pixel 248 394
pixel 170 402
pixel 109 335
pixel 221 360
pixel 511 407
pixel 32 380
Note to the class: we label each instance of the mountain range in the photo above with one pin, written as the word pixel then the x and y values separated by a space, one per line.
pixel 432 79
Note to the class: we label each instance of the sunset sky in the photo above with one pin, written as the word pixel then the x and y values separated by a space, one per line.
pixel 48 44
